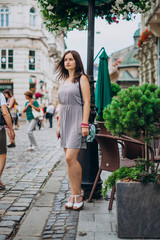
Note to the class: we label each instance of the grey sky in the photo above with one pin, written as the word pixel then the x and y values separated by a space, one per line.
pixel 112 37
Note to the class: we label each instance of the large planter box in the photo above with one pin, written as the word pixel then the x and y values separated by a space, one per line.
pixel 138 210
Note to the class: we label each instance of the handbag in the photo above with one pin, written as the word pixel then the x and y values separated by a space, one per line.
pixel 92 126
pixel 2 120
pixel 37 114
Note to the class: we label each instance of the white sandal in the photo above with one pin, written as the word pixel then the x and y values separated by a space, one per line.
pixel 78 205
pixel 69 205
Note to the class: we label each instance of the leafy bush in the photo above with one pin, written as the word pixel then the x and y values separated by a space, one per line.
pixel 115 89
pixel 135 110
pixel 143 172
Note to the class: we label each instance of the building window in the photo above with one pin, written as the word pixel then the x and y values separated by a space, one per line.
pixel 31 60
pixel 32 17
pixel 6 56
pixel 4 17
pixel 6 85
pixel 10 59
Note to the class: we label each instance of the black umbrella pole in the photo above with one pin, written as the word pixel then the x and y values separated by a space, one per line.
pixel 88 158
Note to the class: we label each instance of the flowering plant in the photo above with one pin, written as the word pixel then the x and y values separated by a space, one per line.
pixel 66 15
pixel 143 38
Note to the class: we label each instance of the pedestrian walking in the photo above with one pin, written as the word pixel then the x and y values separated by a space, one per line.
pixel 17 110
pixel 11 105
pixel 44 108
pixel 3 142
pixel 50 113
pixel 29 105
pixel 41 119
pixel 72 125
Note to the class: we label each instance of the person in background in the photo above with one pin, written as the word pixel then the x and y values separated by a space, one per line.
pixel 3 145
pixel 31 103
pixel 50 111
pixel 44 108
pixel 41 119
pixel 18 110
pixel 11 105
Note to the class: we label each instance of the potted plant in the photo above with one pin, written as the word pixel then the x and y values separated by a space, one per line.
pixel 136 110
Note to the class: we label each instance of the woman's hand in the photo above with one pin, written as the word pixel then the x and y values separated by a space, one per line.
pixel 85 131
pixel 58 132
pixel 29 104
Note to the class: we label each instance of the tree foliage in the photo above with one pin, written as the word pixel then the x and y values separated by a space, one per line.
pixel 66 15
pixel 115 89
pixel 134 110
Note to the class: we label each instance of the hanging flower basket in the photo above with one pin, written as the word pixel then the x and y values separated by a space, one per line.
pixel 66 15
pixel 143 38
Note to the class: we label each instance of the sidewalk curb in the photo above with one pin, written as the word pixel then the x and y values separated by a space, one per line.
pixel 32 226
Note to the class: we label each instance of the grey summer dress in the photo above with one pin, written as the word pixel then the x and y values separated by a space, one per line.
pixel 71 116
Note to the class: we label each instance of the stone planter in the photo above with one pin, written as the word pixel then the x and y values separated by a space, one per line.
pixel 138 210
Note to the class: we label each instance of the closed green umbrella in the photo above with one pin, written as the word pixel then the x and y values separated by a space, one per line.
pixel 103 92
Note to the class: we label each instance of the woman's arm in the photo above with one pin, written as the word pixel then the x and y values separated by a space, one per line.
pixel 11 103
pixel 37 108
pixel 58 122
pixel 25 109
pixel 85 87
pixel 8 120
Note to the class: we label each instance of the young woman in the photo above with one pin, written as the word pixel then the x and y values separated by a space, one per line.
pixel 30 118
pixel 10 103
pixel 72 125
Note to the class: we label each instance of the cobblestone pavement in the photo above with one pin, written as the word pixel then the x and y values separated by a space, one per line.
pixel 61 224
pixel 25 175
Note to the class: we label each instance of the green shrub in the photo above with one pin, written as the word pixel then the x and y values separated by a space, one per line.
pixel 143 172
pixel 115 89
pixel 135 110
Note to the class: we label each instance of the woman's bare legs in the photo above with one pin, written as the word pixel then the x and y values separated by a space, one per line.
pixel 74 171
pixel 9 135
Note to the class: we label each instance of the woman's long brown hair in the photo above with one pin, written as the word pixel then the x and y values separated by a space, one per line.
pixel 63 73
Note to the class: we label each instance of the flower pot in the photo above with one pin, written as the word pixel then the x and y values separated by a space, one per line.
pixel 138 210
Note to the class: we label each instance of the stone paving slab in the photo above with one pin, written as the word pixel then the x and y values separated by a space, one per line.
pixel 33 224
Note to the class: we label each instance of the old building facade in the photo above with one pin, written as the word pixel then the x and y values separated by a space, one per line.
pixel 124 67
pixel 149 51
pixel 28 52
